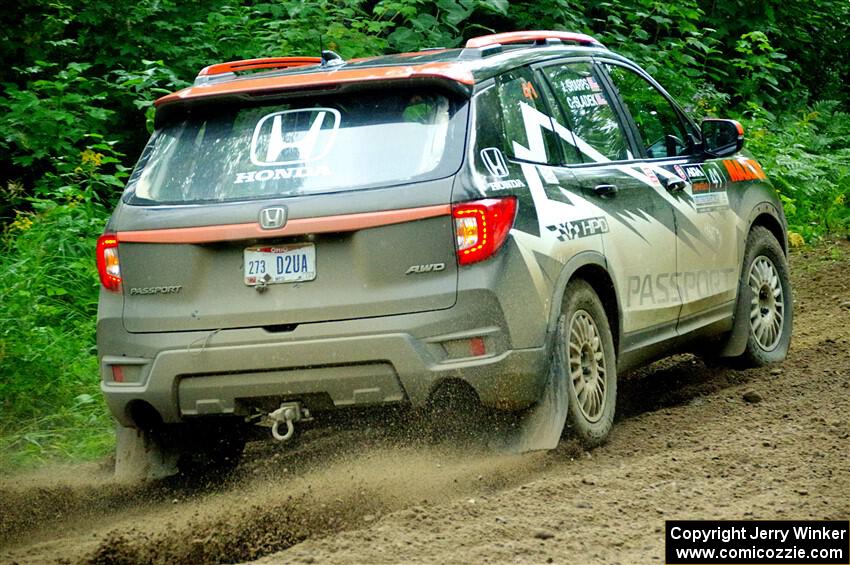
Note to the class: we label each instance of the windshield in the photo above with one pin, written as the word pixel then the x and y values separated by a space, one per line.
pixel 329 144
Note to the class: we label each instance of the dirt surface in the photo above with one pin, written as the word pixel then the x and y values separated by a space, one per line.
pixel 691 441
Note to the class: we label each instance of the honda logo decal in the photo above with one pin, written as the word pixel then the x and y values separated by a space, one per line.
pixel 294 136
pixel 272 218
pixel 494 161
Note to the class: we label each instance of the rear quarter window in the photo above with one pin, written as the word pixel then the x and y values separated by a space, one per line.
pixel 528 128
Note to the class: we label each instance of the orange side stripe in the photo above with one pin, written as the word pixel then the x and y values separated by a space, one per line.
pixel 299 226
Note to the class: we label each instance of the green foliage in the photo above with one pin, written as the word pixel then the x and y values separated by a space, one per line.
pixel 759 66
pixel 143 87
pixel 807 157
pixel 443 23
pixel 45 125
pixel 64 98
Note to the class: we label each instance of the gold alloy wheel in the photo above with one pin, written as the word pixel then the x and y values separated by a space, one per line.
pixel 587 365
pixel 767 308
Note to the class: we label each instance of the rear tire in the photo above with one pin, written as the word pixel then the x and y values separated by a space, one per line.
pixel 454 415
pixel 764 296
pixel 589 364
pixel 204 452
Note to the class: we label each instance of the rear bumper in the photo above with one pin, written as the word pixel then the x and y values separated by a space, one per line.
pixel 365 362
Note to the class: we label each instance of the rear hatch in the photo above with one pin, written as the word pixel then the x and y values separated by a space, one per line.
pixel 278 212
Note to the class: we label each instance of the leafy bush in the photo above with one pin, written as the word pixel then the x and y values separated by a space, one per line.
pixel 807 156
pixel 49 396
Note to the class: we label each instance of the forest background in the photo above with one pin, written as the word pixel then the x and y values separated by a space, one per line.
pixel 77 85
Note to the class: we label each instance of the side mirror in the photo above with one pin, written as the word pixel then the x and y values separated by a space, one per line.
pixel 721 138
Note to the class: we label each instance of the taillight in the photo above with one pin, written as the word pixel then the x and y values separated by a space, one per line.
pixel 482 227
pixel 108 266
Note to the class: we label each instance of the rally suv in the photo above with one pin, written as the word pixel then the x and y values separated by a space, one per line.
pixel 524 218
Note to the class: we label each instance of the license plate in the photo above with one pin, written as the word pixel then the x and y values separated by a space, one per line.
pixel 280 264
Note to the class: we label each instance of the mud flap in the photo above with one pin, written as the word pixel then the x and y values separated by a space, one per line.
pixel 139 457
pixel 541 426
pixel 737 341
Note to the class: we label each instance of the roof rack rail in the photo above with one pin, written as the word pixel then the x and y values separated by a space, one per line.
pixel 232 67
pixel 536 36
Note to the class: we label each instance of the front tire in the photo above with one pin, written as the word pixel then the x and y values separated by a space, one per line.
pixel 589 364
pixel 764 295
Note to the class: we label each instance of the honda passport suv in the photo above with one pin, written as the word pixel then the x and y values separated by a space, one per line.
pixel 524 218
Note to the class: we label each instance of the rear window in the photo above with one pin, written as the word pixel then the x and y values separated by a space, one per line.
pixel 324 144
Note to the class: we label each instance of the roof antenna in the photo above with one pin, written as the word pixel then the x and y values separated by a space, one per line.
pixel 329 58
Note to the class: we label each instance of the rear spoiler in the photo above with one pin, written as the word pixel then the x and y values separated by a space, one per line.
pixel 316 76
pixel 228 70
pixel 454 78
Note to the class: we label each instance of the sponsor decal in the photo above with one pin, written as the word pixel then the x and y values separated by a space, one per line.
pixel 680 171
pixel 650 174
pixel 694 173
pixel 699 181
pixel 674 288
pixel 528 91
pixel 427 268
pixel 141 290
pixel 744 170
pixel 707 187
pixel 506 184
pixel 707 201
pixel 580 228
pixel 494 161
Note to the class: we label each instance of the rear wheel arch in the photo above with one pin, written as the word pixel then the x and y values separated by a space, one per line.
pixel 592 268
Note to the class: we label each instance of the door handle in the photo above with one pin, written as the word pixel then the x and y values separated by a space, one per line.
pixel 606 190
pixel 675 185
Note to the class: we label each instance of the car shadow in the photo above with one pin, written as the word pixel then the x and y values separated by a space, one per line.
pixel 675 381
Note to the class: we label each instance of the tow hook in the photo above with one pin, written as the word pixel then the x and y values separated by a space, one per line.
pixel 289 412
